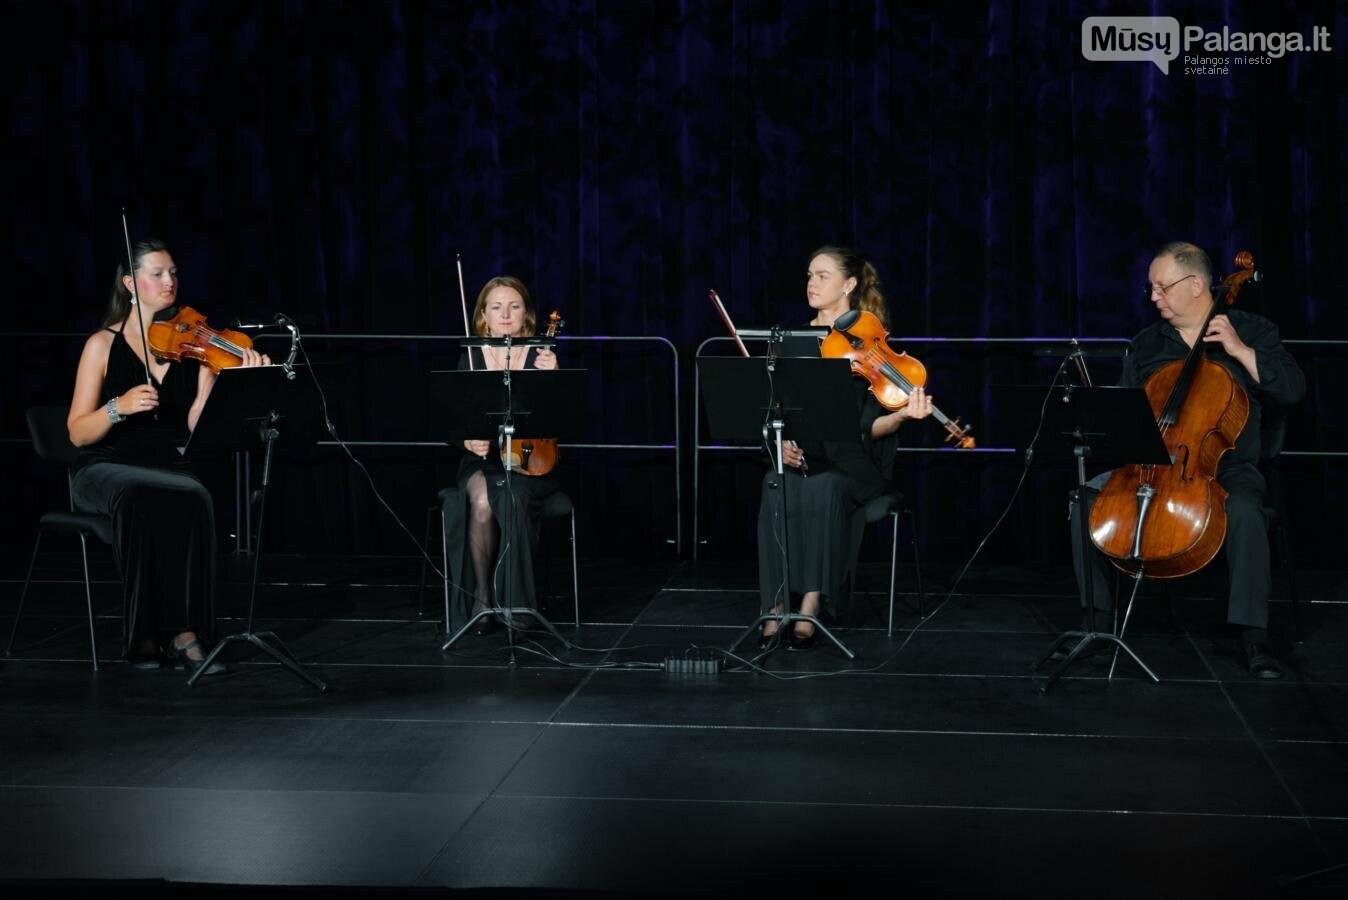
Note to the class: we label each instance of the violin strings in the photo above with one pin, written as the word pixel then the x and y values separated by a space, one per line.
pixel 215 340
pixel 904 384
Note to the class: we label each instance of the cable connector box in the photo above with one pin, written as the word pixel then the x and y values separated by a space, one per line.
pixel 693 663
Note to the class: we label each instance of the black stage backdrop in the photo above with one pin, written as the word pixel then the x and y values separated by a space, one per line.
pixel 329 159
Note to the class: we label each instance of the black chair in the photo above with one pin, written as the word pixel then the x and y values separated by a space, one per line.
pixel 47 427
pixel 556 506
pixel 887 505
pixel 1272 437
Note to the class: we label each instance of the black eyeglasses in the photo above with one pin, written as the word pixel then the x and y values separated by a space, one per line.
pixel 1151 289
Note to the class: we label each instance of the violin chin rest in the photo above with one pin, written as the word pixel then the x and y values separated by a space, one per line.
pixel 846 320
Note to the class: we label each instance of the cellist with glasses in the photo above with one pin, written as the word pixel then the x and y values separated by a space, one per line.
pixel 1249 348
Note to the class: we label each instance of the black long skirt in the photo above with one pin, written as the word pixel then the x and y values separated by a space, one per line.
pixel 513 575
pixel 819 511
pixel 163 524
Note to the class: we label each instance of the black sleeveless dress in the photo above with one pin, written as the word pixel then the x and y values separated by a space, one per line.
pixel 513 581
pixel 162 516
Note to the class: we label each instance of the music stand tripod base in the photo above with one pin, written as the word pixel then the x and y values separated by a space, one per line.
pixel 785 619
pixel 508 615
pixel 246 405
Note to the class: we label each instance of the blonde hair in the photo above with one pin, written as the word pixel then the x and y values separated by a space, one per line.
pixel 480 309
pixel 867 295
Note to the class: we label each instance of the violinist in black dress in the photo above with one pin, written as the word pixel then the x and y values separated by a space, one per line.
pixel 473 529
pixel 129 467
pixel 826 484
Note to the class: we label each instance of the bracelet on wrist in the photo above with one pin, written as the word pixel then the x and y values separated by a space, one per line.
pixel 113 415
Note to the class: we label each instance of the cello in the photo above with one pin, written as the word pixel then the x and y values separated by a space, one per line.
pixel 1170 521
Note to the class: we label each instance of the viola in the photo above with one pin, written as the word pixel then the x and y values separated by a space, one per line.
pixel 859 337
pixel 1170 521
pixel 534 456
pixel 187 336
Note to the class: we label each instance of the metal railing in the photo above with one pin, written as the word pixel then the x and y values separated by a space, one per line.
pixel 699 447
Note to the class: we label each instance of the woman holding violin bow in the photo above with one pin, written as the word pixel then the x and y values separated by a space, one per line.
pixel 827 483
pixel 130 412
pixel 473 532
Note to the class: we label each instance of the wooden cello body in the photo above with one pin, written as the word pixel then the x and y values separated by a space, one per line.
pixel 1185 521
pixel 1170 521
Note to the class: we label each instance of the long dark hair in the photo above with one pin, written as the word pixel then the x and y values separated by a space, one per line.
pixel 119 301
pixel 867 295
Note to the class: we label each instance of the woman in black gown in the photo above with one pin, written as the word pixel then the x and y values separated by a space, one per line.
pixel 827 483
pixel 129 467
pixel 472 530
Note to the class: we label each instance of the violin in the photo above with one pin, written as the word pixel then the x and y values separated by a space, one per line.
pixel 859 337
pixel 187 336
pixel 534 456
pixel 1170 521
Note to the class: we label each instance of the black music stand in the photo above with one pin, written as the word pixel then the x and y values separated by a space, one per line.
pixel 778 398
pixel 507 403
pixel 1112 426
pixel 246 406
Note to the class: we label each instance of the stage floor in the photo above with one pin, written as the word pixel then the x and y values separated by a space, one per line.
pixel 931 764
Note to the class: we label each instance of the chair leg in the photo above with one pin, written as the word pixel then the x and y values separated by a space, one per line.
pixel 425 551
pixel 18 613
pixel 1285 552
pixel 917 563
pixel 893 570
pixel 575 570
pixel 89 600
pixel 444 563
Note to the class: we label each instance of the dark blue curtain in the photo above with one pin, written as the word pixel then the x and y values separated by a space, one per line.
pixel 330 159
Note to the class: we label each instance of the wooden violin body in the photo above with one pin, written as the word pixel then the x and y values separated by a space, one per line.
pixel 1170 521
pixel 534 456
pixel 859 337
pixel 187 336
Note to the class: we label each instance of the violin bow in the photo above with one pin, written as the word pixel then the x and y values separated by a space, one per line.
pixel 463 302
pixel 725 317
pixel 135 299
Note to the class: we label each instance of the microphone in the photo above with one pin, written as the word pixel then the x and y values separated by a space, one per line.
pixel 278 321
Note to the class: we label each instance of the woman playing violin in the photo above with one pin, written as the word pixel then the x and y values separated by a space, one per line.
pixel 129 467
pixel 503 308
pixel 827 483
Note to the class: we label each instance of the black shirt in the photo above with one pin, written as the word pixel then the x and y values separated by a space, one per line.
pixel 1281 382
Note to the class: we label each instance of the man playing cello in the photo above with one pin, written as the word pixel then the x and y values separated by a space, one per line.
pixel 1249 347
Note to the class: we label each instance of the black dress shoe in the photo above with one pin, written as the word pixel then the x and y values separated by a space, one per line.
pixel 485 626
pixel 145 663
pixel 182 661
pixel 1261 662
pixel 801 641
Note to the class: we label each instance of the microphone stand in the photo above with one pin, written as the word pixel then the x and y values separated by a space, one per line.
pixel 508 433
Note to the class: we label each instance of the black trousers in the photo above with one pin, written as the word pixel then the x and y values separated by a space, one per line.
pixel 1247 557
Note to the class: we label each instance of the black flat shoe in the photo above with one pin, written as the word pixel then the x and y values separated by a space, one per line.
pixel 485 626
pixel 766 640
pixel 182 661
pixel 145 663
pixel 801 641
pixel 1261 662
